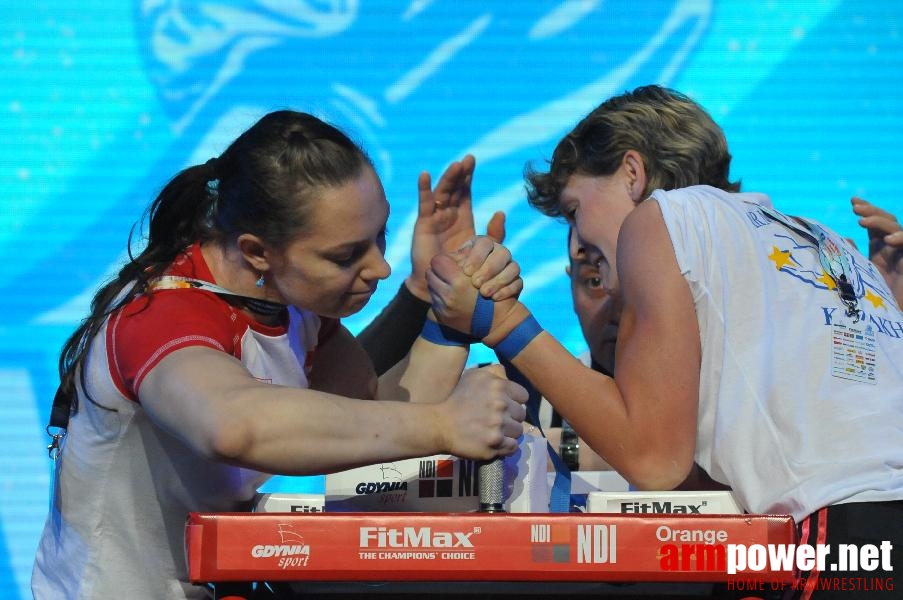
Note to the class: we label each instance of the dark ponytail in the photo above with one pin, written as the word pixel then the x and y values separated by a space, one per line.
pixel 175 220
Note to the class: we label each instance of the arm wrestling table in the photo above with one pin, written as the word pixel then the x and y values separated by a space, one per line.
pixel 366 554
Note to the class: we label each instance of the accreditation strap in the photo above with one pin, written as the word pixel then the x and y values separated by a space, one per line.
pixel 506 350
pixel 258 305
pixel 58 421
pixel 62 401
pixel 833 258
pixel 560 495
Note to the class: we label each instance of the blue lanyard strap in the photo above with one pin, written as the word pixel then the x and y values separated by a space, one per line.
pixel 560 496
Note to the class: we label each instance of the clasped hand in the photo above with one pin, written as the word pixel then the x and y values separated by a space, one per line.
pixel 480 267
pixel 885 243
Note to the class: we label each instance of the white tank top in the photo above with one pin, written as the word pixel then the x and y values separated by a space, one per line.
pixel 799 407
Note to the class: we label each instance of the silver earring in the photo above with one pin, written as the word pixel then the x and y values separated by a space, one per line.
pixel 260 281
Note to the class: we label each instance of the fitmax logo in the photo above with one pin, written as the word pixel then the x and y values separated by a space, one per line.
pixel 661 507
pixel 414 537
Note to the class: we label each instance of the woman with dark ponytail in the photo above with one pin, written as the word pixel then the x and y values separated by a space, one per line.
pixel 216 358
pixel 170 232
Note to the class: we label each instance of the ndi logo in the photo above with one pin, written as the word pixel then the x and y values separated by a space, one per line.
pixel 550 543
pixel 437 478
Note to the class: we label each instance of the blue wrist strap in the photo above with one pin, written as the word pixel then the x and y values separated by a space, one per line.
pixel 443 336
pixel 481 321
pixel 518 338
pixel 480 324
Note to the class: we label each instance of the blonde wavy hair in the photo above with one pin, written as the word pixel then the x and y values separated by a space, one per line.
pixel 680 143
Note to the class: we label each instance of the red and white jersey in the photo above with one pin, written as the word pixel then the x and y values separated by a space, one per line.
pixel 125 486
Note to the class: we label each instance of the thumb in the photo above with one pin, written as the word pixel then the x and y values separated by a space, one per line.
pixel 496 227
pixel 444 267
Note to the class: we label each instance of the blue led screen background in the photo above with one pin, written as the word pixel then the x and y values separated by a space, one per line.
pixel 101 102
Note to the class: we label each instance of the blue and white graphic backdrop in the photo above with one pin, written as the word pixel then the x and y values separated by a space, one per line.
pixel 102 101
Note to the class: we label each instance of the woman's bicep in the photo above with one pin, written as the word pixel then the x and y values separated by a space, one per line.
pixel 194 394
